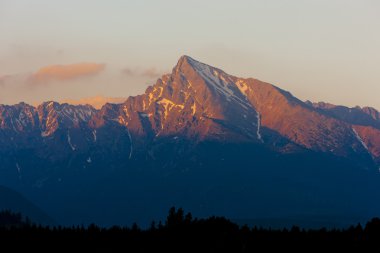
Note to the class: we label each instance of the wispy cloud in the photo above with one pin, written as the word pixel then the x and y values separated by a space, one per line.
pixel 149 73
pixel 4 79
pixel 128 72
pixel 11 81
pixel 65 72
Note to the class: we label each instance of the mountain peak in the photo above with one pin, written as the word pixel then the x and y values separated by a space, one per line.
pixel 183 62
pixel 186 58
pixel 186 62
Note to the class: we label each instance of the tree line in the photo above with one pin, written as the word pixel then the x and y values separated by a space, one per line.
pixel 180 232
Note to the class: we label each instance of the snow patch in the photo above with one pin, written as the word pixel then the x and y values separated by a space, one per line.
pixel 150 98
pixel 222 83
pixel 161 90
pixel 89 160
pixel 69 141
pixel 94 135
pixel 243 87
pixel 360 139
pixel 152 94
pixel 130 139
pixel 194 108
pixel 125 110
pixel 168 106
pixel 13 126
pixel 75 114
pixel 122 121
pixel 258 126
pixel 18 168
pixel 44 134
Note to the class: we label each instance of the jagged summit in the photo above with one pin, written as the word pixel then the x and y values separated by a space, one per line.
pixel 195 135
pixel 195 100
pixel 199 102
pixel 185 59
pixel 185 62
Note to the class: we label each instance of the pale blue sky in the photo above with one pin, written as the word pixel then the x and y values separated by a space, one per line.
pixel 319 50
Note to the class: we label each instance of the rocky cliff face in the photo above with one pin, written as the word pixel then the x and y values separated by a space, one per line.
pixel 195 101
pixel 364 121
pixel 366 116
pixel 198 102
pixel 202 102
pixel 198 134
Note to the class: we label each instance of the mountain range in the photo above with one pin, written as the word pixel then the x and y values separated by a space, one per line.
pixel 199 138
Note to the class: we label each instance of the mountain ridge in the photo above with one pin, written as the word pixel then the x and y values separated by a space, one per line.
pixel 202 102
pixel 198 138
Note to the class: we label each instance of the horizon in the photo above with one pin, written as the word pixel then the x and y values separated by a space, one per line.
pixel 98 101
pixel 247 114
pixel 317 51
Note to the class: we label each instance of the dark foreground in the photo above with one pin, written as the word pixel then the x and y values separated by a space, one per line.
pixel 181 233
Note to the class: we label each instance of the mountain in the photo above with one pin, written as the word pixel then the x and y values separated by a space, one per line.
pixel 365 122
pixel 15 202
pixel 200 138
pixel 366 116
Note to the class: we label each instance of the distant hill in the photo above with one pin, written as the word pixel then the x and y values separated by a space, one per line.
pixel 15 202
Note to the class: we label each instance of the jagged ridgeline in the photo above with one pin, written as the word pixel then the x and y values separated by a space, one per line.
pixel 199 138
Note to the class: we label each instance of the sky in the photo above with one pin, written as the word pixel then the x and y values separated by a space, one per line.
pixel 319 50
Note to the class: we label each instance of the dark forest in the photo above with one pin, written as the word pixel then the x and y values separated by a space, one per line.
pixel 180 232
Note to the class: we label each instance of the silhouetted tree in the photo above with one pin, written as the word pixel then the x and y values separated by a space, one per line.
pixel 188 218
pixel 10 219
pixel 153 226
pixel 160 226
pixel 175 218
pixel 372 229
pixel 182 233
pixel 135 227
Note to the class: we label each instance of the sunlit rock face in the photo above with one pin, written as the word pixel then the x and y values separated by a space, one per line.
pixel 198 134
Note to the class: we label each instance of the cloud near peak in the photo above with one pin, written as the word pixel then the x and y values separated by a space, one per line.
pixel 148 73
pixel 4 79
pixel 151 73
pixel 65 72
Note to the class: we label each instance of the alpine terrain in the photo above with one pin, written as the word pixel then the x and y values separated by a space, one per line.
pixel 199 138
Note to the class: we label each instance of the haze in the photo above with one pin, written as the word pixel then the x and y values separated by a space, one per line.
pixel 71 50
